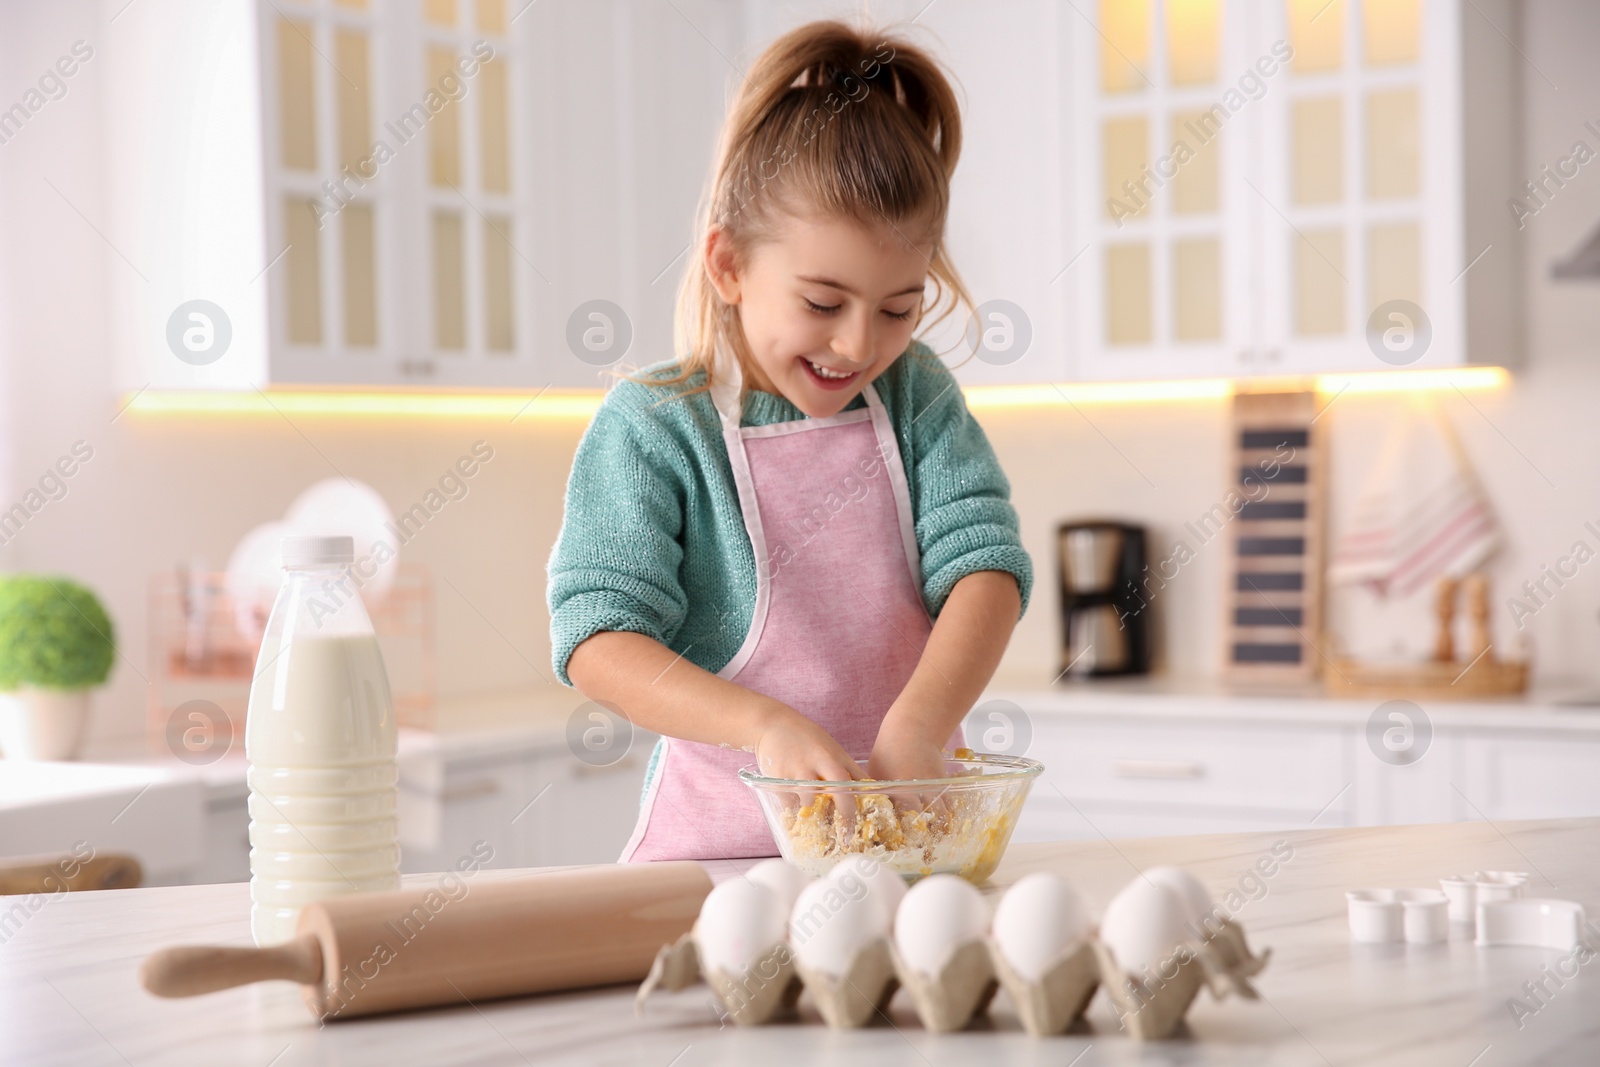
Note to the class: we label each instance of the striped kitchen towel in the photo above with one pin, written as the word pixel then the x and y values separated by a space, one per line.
pixel 1423 514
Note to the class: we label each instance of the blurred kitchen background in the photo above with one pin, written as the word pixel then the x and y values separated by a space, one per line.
pixel 390 310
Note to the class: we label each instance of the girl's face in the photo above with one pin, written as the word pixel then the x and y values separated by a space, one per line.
pixel 827 305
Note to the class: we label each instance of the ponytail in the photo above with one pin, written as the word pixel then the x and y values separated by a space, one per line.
pixel 834 121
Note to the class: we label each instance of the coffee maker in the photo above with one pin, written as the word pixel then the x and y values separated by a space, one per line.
pixel 1105 621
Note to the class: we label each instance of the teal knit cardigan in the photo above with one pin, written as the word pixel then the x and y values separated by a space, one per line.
pixel 653 541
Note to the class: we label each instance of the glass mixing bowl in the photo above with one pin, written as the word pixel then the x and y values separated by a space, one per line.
pixel 958 824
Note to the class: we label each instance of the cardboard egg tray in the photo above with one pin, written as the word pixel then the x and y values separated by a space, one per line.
pixel 1150 1005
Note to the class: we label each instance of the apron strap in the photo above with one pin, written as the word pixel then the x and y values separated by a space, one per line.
pixel 727 394
pixel 727 391
pixel 894 466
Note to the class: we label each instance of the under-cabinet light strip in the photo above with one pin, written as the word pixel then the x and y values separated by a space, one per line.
pixel 1402 381
pixel 581 404
pixel 519 406
pixel 1006 396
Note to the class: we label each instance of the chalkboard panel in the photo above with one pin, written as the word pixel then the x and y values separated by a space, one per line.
pixel 1268 616
pixel 1273 616
pixel 1295 437
pixel 1262 653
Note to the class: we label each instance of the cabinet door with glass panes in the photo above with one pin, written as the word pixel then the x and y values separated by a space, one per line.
pixel 1344 175
pixel 394 203
pixel 1164 136
pixel 1386 161
pixel 1288 187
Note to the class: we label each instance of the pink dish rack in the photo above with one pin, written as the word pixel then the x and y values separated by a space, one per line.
pixel 201 665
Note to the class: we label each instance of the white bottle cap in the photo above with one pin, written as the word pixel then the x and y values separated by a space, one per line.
pixel 318 551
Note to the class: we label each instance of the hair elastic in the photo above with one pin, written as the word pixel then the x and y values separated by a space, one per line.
pixel 842 77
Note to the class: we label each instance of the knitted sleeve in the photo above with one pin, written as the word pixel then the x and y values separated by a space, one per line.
pixel 965 521
pixel 615 562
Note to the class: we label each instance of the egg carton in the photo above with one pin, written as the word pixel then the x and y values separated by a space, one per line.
pixel 1150 1006
pixel 765 990
pixel 769 988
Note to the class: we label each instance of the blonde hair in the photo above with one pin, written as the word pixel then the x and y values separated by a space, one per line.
pixel 830 119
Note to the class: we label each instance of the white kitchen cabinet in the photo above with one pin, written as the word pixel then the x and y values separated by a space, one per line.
pixel 589 812
pixel 630 95
pixel 1489 773
pixel 343 183
pixel 1009 196
pixel 1162 216
pixel 447 809
pixel 519 792
pixel 1436 788
pixel 1530 777
pixel 397 192
pixel 1056 819
pixel 1118 778
pixel 151 813
pixel 1215 764
pixel 1259 180
pixel 353 213
pixel 527 796
pixel 1156 758
pixel 423 193
pixel 225 844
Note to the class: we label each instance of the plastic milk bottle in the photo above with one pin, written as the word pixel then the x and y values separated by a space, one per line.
pixel 320 739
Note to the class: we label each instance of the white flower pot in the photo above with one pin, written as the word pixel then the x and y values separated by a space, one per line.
pixel 42 724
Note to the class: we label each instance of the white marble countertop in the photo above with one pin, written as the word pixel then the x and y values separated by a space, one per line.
pixel 68 994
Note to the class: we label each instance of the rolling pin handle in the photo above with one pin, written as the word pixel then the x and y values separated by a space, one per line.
pixel 188 970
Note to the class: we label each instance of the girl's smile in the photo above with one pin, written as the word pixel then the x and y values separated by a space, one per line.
pixel 829 378
pixel 827 305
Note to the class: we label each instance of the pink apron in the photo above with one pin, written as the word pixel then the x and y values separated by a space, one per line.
pixel 838 626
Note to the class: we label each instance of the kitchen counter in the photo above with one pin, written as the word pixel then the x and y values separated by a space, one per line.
pixel 1545 708
pixel 68 993
pixel 474 778
pixel 1144 757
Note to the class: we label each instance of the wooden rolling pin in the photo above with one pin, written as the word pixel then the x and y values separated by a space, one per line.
pixel 414 948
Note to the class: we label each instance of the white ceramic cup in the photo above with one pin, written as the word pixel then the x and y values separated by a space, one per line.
pixel 1426 915
pixel 1375 915
pixel 1462 893
pixel 1466 891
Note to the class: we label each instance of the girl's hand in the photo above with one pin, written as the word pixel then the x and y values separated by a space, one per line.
pixel 900 755
pixel 792 746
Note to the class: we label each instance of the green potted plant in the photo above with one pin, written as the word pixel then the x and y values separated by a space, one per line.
pixel 56 642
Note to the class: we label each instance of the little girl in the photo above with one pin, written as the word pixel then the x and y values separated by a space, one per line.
pixel 792 546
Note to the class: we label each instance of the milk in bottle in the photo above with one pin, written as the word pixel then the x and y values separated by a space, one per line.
pixel 320 739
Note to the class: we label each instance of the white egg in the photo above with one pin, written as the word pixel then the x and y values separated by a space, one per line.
pixel 938 915
pixel 884 886
pixel 1143 924
pixel 782 877
pixel 830 926
pixel 739 921
pixel 1196 898
pixel 1037 921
